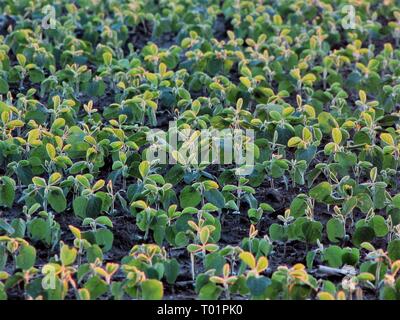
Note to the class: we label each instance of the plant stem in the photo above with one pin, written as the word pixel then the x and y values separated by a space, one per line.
pixel 192 265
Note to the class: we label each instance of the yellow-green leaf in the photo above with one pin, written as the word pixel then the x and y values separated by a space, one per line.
pixel 248 259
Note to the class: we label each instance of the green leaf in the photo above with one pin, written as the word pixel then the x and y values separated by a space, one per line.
pixel 214 261
pixel 254 214
pixel 51 152
pixel 257 285
pixel 189 197
pixel 310 259
pixel 388 293
pixel 363 234
pixel 26 257
pixel 181 239
pixel 57 200
pixel 394 250
pixel 3 86
pixel 326 122
pixel 321 192
pixel 337 135
pixel 19 227
pixel 21 59
pixel 175 175
pixel 144 168
pixel 67 255
pixel 215 197
pixel 204 235
pixel 396 201
pixel 171 270
pixel 312 231
pixel 307 154
pixel 379 196
pixel 248 259
pixel 210 291
pixel 293 142
pixel 266 207
pixel 366 276
pixel 350 256
pixel 36 75
pixel 79 205
pixel 39 229
pixel 245 81
pixel 93 208
pixel 276 232
pixel 94 252
pixel 152 289
pixel 104 238
pixel 333 255
pixel 183 93
pixel 335 230
pixel 298 206
pixel 379 225
pixel 106 221
pixel 6 227
pixel 107 58
pixel 7 191
pixel 96 287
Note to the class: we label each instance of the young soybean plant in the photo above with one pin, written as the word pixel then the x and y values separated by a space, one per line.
pixel 48 192
pixel 202 245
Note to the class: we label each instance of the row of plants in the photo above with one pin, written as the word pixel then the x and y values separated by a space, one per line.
pixel 87 213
